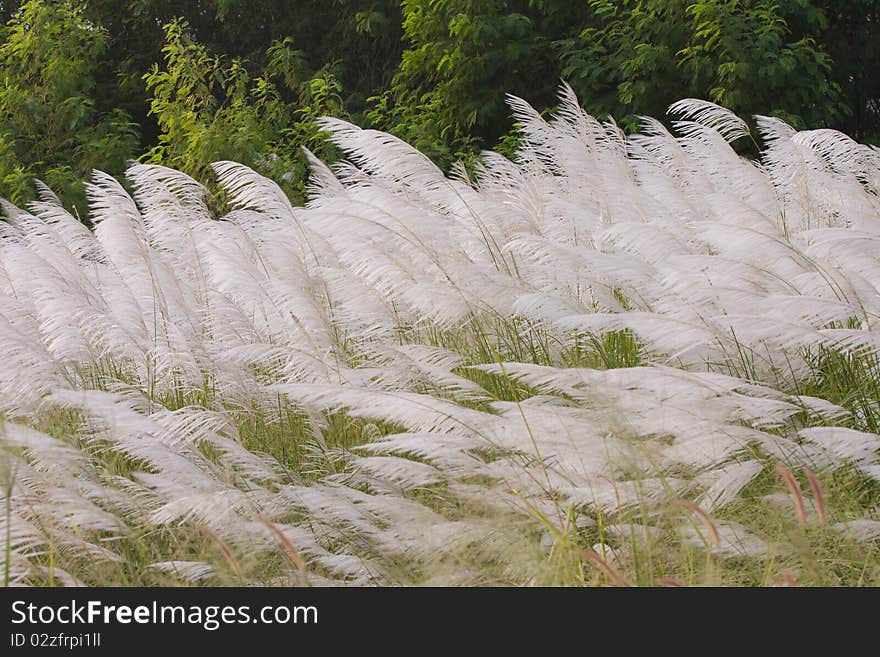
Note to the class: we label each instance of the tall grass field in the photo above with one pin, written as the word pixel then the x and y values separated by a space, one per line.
pixel 648 359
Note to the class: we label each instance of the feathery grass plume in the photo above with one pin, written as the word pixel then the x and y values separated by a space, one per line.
pixel 402 377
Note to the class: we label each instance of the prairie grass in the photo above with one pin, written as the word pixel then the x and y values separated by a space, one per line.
pixel 616 361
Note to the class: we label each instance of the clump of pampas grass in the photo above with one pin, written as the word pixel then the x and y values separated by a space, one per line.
pixel 616 359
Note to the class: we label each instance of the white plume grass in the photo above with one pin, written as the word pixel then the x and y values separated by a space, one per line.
pixel 423 379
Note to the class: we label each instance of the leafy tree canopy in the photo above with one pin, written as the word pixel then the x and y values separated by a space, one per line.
pixel 92 84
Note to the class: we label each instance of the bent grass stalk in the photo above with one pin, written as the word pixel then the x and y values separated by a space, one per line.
pixel 228 556
pixel 817 495
pixel 291 551
pixel 795 492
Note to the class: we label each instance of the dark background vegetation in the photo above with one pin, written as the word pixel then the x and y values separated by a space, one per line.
pixel 94 84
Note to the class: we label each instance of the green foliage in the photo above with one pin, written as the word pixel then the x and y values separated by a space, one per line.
pixel 851 40
pixel 212 108
pixel 753 60
pixel 744 54
pixel 464 55
pixel 623 57
pixel 362 37
pixel 50 124
pixel 92 84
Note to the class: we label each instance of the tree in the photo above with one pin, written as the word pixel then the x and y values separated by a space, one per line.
pixel 463 56
pixel 751 56
pixel 245 80
pixel 852 40
pixel 51 126
pixel 210 107
pixel 623 57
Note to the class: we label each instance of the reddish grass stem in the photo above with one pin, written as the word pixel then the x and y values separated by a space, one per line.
pixel 817 495
pixel 224 549
pixel 795 491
